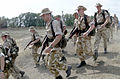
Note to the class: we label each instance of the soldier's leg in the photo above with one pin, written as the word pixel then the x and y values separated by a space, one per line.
pixel 7 74
pixel 56 62
pixel 96 44
pixel 111 32
pixel 35 55
pixel 97 40
pixel 79 51
pixel 17 69
pixel 15 74
pixel 104 35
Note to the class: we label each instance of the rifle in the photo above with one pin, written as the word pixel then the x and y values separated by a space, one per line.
pixel 44 45
pixel 74 31
pixel 28 45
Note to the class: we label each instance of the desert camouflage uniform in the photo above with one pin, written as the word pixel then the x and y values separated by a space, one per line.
pixel 1 55
pixel 11 70
pixel 110 30
pixel 55 61
pixel 83 43
pixel 35 48
pixel 75 25
pixel 116 23
pixel 101 32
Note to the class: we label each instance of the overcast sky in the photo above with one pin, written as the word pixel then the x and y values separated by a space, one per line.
pixel 12 8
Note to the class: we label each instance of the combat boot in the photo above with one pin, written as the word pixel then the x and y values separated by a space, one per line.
pixel 95 56
pixel 83 63
pixel 105 50
pixel 59 77
pixel 68 71
pixel 22 73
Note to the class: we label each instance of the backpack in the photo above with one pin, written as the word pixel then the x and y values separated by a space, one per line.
pixel 103 14
pixel 92 33
pixel 63 42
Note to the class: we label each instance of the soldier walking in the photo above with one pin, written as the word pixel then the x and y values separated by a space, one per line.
pixel 35 44
pixel 101 19
pixel 9 60
pixel 84 36
pixel 55 59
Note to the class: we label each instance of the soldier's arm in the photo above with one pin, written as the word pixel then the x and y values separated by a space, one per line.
pixel 107 18
pixel 2 63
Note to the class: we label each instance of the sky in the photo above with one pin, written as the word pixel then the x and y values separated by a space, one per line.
pixel 13 8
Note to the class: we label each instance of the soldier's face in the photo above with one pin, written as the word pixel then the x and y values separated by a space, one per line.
pixel 45 17
pixel 98 8
pixel 81 11
pixel 3 38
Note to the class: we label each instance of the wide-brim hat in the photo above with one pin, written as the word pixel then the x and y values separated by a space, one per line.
pixel 45 11
pixel 81 7
pixel 98 4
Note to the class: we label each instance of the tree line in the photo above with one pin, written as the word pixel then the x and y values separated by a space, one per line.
pixel 30 19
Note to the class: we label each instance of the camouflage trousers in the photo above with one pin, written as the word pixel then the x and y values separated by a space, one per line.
pixel 35 54
pixel 110 32
pixel 84 47
pixel 100 34
pixel 13 72
pixel 116 27
pixel 55 61
pixel 74 39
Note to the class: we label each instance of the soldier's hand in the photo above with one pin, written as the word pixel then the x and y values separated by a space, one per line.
pixel 32 43
pixel 85 34
pixel 47 50
pixel 102 25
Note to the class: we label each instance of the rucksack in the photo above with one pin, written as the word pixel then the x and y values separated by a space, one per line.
pixel 92 33
pixel 103 14
pixel 63 42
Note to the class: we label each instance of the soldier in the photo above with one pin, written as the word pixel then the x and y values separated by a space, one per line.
pixel 101 24
pixel 116 22
pixel 63 27
pixel 9 67
pixel 75 25
pixel 14 51
pixel 2 63
pixel 85 27
pixel 35 38
pixel 55 58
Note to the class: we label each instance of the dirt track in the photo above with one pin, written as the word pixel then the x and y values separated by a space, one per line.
pixel 106 67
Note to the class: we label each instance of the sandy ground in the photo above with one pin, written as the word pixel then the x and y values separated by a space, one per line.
pixel 106 67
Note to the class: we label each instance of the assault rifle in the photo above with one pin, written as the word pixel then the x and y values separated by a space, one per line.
pixel 28 45
pixel 74 31
pixel 44 45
